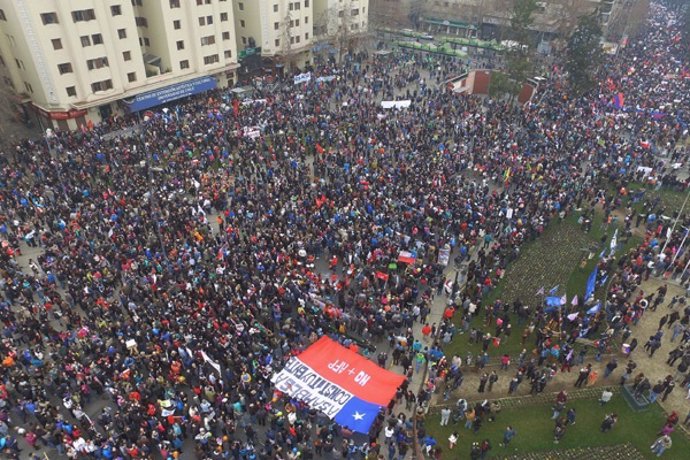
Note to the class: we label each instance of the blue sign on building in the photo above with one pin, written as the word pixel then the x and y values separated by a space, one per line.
pixel 150 99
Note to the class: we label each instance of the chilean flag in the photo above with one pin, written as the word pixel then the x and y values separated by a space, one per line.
pixel 406 257
pixel 345 386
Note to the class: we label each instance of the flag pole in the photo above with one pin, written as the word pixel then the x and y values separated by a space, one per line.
pixel 675 222
pixel 675 256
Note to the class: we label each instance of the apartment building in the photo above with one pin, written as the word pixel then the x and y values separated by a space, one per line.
pixel 282 29
pixel 77 61
pixel 340 18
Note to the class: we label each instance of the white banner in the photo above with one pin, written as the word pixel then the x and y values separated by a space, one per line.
pixel 302 78
pixel 396 104
pixel 251 132
pixel 302 382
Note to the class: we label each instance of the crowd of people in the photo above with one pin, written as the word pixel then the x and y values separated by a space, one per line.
pixel 180 263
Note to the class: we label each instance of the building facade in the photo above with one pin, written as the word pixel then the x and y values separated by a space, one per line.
pixel 281 29
pixel 486 18
pixel 334 18
pixel 71 62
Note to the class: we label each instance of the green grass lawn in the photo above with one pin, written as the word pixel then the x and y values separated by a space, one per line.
pixel 535 430
pixel 555 258
pixel 671 200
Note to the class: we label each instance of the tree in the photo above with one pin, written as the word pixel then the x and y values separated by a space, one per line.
pixel 584 54
pixel 521 20
pixel 519 57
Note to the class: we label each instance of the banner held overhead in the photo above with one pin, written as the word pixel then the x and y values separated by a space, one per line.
pixel 345 386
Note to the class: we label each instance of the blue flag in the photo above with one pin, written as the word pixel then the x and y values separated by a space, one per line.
pixel 595 309
pixel 591 283
pixel 358 415
pixel 553 301
pixel 553 290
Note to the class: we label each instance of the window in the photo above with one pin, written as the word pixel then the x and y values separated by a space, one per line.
pixel 2 16
pixel 97 39
pixel 147 42
pixel 223 17
pixel 292 40
pixel 210 40
pixel 65 68
pixel 292 23
pixel 104 85
pixel 174 3
pixel 306 3
pixel 276 25
pixel 355 12
pixel 141 21
pixel 137 2
pixel 291 7
pixel 244 40
pixel 240 6
pixel 341 14
pixel 49 18
pixel 297 5
pixel 28 87
pixel 177 25
pixel 116 10
pixel 201 2
pixel 57 43
pixel 306 35
pixel 277 42
pixel 202 21
pixel 297 22
pixel 227 54
pixel 127 55
pixel 131 77
pixel 83 15
pixel 226 35
pixel 275 8
pixel 19 63
pixel 212 59
pixel 71 91
pixel 85 41
pixel 180 44
pixel 184 64
pixel 209 20
pixel 122 33
pixel 297 39
pixel 241 22
pixel 97 63
pixel 306 19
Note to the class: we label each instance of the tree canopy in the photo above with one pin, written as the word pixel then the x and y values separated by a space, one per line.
pixel 584 54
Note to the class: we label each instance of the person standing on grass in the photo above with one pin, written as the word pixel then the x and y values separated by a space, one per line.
pixel 445 416
pixel 609 422
pixel 508 435
pixel 453 440
pixel 570 416
pixel 606 396
pixel 662 444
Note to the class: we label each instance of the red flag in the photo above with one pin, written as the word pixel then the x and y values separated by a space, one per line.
pixel 382 276
pixel 320 150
